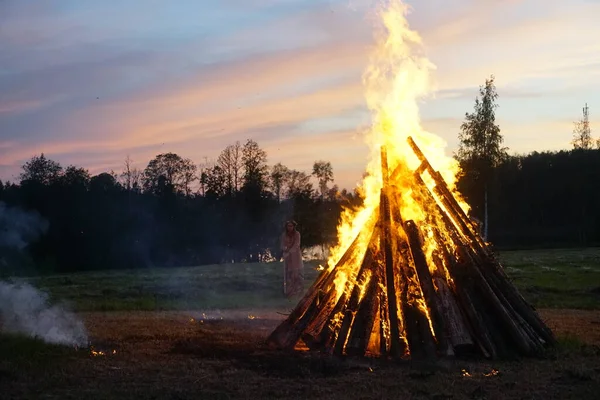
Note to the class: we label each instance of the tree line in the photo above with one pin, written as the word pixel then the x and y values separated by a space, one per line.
pixel 176 212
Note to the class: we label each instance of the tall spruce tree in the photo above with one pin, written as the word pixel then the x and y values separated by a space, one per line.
pixel 480 150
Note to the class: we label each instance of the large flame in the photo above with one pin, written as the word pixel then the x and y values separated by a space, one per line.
pixel 396 79
pixel 388 289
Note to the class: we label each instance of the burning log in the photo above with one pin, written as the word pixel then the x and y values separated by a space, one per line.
pixel 426 281
pixel 350 314
pixel 495 278
pixel 315 334
pixel 362 329
pixel 415 289
pixel 288 333
pixel 386 245
pixel 449 202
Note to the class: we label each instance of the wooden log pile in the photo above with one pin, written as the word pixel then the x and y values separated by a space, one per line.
pixel 423 290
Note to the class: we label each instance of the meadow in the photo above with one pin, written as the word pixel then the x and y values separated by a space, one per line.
pixel 198 332
pixel 556 278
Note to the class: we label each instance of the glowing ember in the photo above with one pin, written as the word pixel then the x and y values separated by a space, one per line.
pixel 97 353
pixel 251 317
pixel 467 374
pixel 100 353
pixel 493 372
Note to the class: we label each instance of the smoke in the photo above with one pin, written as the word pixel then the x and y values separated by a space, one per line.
pixel 26 310
pixel 19 228
pixel 23 308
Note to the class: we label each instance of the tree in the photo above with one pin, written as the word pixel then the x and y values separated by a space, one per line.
pixel 279 175
pixel 76 177
pixel 41 170
pixel 298 185
pixel 254 160
pixel 333 193
pixel 104 182
pixel 188 176
pixel 480 148
pixel 324 173
pixel 169 170
pixel 582 134
pixel 205 168
pixel 230 162
pixel 214 181
pixel 131 176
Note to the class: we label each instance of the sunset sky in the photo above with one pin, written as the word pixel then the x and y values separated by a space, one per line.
pixel 89 82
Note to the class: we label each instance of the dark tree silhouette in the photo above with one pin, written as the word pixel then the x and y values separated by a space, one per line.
pixel 230 164
pixel 279 176
pixel 323 171
pixel 254 161
pixel 169 170
pixel 41 170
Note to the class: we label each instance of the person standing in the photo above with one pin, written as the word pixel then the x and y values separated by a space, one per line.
pixel 293 267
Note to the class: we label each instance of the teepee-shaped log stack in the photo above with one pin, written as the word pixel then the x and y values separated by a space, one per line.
pixel 415 291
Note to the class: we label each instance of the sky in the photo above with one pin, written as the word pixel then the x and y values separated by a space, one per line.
pixel 90 82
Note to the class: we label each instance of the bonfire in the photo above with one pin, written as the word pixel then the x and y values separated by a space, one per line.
pixel 410 276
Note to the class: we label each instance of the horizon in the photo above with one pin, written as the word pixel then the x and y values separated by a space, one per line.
pixel 91 84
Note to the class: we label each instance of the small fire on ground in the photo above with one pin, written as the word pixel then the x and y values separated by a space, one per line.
pixel 100 353
pixel 468 374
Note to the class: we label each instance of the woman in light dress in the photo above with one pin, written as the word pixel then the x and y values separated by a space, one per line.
pixel 293 267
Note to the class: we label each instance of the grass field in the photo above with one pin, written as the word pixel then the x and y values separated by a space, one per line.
pixel 547 278
pixel 198 332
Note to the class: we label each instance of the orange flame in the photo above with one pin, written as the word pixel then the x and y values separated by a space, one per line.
pixel 493 372
pixel 99 353
pixel 396 80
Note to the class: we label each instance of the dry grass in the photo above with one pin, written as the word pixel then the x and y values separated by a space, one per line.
pixel 180 355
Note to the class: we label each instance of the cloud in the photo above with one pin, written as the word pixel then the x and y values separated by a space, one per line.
pixel 518 41
pixel 286 73
pixel 259 95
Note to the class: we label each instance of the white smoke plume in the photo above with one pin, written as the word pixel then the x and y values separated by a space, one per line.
pixel 19 228
pixel 23 308
pixel 26 310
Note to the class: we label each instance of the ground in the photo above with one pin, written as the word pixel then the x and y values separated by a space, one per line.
pixel 155 347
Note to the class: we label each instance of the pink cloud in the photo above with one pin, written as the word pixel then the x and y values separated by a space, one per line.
pixel 269 95
pixel 556 41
